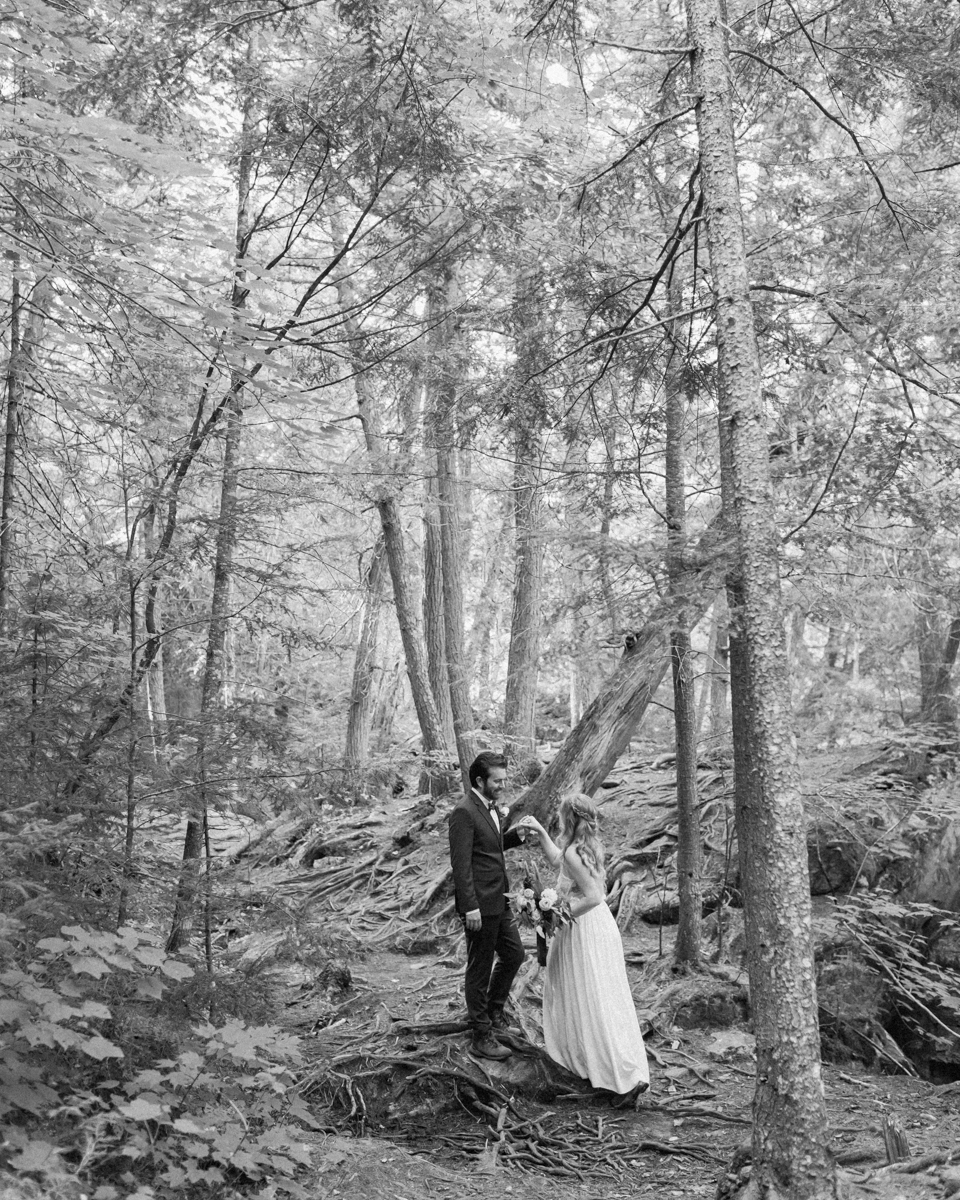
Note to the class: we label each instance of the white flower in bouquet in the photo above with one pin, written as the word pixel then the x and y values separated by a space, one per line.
pixel 529 893
pixel 548 899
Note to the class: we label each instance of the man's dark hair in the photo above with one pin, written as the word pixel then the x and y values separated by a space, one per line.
pixel 484 763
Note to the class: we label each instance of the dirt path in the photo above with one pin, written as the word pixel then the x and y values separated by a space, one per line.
pixel 427 1144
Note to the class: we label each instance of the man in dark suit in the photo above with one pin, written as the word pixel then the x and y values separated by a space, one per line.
pixel 477 843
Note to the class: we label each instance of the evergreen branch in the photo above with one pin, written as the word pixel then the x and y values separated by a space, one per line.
pixel 842 324
pixel 836 120
pixel 834 466
pixel 651 130
pixel 642 49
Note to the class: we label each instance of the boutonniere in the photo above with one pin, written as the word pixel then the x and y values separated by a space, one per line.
pixel 502 811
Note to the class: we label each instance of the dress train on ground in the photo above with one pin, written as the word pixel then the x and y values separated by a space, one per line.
pixel 590 1023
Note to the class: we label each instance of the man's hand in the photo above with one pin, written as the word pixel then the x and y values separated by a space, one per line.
pixel 473 920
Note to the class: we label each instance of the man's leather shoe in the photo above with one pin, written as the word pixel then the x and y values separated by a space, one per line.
pixel 484 1046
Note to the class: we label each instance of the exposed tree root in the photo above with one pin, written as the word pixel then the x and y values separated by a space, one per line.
pixel 368 1077
pixel 914 1166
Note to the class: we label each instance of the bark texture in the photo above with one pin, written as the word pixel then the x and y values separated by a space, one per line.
pixel 14 391
pixel 363 690
pixel 591 749
pixel 434 636
pixel 28 312
pixel 689 845
pixel 519 710
pixel 790 1137
pixel 447 364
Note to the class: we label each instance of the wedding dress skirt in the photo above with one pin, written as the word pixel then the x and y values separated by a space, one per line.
pixel 589 1021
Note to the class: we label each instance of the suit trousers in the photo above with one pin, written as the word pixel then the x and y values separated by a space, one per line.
pixel 487 986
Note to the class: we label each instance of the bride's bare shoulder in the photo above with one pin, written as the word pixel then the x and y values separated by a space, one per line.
pixel 573 860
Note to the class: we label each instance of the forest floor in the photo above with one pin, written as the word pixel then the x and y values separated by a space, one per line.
pixel 400 1103
pixel 697 1108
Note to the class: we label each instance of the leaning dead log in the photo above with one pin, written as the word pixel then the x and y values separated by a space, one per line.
pixel 604 732
pixel 592 748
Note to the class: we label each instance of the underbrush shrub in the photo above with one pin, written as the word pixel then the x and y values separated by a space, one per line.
pixel 108 1087
pixel 853 1003
pixel 883 994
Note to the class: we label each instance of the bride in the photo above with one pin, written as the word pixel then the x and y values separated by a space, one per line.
pixel 589 1022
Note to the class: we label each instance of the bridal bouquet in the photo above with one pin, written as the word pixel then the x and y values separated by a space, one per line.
pixel 539 908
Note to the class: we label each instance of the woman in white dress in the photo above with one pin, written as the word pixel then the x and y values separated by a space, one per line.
pixel 589 1021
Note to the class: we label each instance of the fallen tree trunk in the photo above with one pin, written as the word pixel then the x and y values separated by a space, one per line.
pixel 592 748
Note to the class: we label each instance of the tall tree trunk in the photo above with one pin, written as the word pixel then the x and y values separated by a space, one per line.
pixel 155 679
pixel 435 775
pixel 362 691
pixel 790 1136
pixel 215 688
pixel 129 839
pixel 606 521
pixel 938 642
pixel 689 846
pixel 435 752
pixel 14 391
pixel 434 633
pixel 707 677
pixel 388 701
pixel 720 672
pixel 448 366
pixel 523 656
pixel 26 330
pixel 486 609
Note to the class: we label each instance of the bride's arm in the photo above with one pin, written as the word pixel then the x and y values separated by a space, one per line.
pixel 550 849
pixel 588 883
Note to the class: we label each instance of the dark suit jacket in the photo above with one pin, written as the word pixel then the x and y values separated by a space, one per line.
pixel 476 855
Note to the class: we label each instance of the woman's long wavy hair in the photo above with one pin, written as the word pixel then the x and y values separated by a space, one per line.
pixel 580 827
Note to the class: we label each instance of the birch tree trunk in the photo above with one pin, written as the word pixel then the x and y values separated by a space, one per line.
pixel 791 1158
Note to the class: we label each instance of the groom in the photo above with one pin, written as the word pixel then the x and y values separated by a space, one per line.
pixel 477 843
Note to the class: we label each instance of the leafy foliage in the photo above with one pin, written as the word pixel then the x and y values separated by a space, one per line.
pixel 895 941
pixel 74 1102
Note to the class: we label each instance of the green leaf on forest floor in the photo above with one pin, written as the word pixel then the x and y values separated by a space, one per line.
pixel 142 1109
pixel 36 1155
pixel 727 1042
pixel 100 1048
